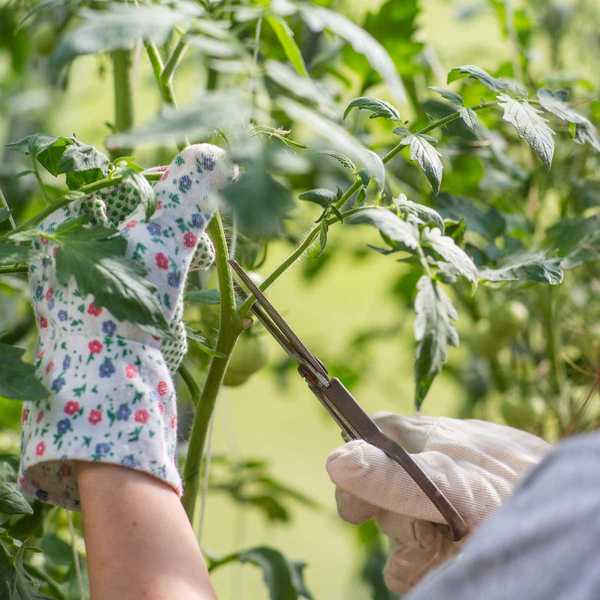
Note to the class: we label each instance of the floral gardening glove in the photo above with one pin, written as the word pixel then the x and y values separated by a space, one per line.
pixel 113 397
pixel 476 464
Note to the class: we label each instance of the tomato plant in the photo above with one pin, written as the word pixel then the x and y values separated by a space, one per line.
pixel 479 184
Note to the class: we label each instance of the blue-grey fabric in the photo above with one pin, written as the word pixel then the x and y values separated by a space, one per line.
pixel 543 544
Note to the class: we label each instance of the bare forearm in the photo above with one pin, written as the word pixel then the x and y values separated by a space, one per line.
pixel 139 542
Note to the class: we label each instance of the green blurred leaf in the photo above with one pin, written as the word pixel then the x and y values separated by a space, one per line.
pixel 318 18
pixel 319 196
pixel 529 266
pixel 18 380
pixel 427 157
pixel 12 501
pixel 13 253
pixel 530 125
pixel 285 35
pixel 447 248
pixel 95 258
pixel 338 137
pixel 434 333
pixel 203 296
pixel 283 578
pixel 449 95
pixel 229 111
pixel 377 108
pixel 390 226
pixel 118 27
pixel 587 250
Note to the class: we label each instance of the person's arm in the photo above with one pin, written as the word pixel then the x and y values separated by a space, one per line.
pixel 139 542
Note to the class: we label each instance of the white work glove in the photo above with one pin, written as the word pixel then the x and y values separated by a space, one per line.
pixel 476 464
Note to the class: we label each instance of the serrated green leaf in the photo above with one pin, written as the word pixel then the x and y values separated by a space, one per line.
pixel 449 95
pixel 337 137
pixel 319 196
pixel 447 248
pixel 390 226
pixel 318 18
pixel 33 144
pixel 18 380
pixel 285 35
pixel 531 266
pixel 421 213
pixel 530 126
pixel 427 157
pixel 493 83
pixel 377 108
pixel 82 164
pixel 95 258
pixel 434 332
pixel 469 118
pixel 12 501
pixel 117 27
pixel 586 133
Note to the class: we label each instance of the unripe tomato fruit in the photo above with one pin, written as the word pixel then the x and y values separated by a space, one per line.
pixel 522 413
pixel 249 356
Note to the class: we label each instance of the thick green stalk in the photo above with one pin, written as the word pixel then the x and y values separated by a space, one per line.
pixel 229 329
pixel 121 61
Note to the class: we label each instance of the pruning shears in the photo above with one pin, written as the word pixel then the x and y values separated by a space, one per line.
pixel 341 405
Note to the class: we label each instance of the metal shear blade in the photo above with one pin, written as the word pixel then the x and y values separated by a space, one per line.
pixel 342 406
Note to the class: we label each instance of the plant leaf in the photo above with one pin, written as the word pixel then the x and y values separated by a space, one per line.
pixel 285 35
pixel 377 108
pixel 338 137
pixel 427 157
pixel 447 248
pixel 18 380
pixel 434 333
pixel 120 26
pixel 319 196
pixel 217 110
pixel 95 257
pixel 318 18
pixel 12 501
pixel 587 250
pixel 493 83
pixel 419 212
pixel 532 127
pixel 346 162
pixel 449 95
pixel 203 296
pixel 390 226
pixel 13 253
pixel 531 266
pixel 469 118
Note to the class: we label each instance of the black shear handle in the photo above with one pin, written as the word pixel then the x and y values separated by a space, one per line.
pixel 342 402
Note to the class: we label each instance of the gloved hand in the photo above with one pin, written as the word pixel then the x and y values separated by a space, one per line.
pixel 476 464
pixel 113 397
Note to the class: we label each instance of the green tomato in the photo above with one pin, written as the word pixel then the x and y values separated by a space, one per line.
pixel 44 39
pixel 522 413
pixel 509 319
pixel 249 356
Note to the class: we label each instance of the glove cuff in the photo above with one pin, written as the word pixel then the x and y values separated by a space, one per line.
pixel 112 404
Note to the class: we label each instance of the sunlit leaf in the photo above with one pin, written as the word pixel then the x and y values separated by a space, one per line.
pixel 12 501
pixel 530 125
pixel 449 95
pixel 285 35
pixel 419 212
pixel 427 157
pixel 434 333
pixel 469 118
pixel 390 225
pixel 447 248
pixel 319 18
pixel 377 108
pixel 531 266
pixel 493 83
pixel 338 137
pixel 18 380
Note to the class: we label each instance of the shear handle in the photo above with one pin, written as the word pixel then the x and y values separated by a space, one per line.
pixel 342 402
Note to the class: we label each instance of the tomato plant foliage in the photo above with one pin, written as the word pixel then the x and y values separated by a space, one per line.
pixel 473 187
